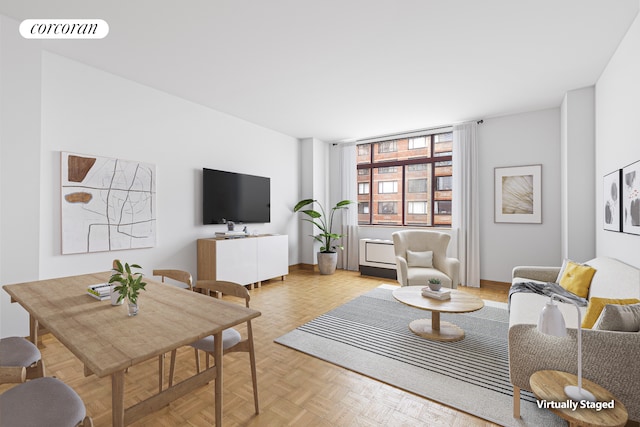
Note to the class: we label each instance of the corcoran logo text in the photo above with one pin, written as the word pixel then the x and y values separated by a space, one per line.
pixel 64 29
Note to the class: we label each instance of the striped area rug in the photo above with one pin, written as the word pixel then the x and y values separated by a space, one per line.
pixel 370 335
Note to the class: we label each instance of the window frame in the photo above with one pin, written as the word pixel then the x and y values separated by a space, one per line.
pixel 404 164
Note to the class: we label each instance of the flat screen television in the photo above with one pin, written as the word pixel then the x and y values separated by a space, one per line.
pixel 237 197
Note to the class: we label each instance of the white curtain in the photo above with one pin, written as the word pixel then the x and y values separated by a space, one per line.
pixel 348 258
pixel 466 202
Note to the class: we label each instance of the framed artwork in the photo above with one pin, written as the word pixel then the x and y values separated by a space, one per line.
pixel 631 198
pixel 612 202
pixel 107 204
pixel 518 194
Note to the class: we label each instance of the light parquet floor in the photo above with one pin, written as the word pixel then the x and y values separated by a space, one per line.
pixel 295 389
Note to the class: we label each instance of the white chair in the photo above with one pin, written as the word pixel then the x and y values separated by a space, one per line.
pixel 422 255
pixel 42 402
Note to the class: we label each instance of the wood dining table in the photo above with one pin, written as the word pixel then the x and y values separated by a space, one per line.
pixel 108 341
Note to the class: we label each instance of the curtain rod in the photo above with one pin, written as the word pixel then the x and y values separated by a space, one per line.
pixel 399 134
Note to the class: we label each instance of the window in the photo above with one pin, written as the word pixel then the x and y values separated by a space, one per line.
pixel 417 185
pixel 387 187
pixel 417 208
pixel 417 168
pixel 387 208
pixel 444 183
pixel 389 169
pixel 415 143
pixel 443 207
pixel 413 179
pixel 387 147
pixel 363 188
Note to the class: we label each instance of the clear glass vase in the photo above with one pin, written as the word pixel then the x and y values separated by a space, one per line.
pixel 133 308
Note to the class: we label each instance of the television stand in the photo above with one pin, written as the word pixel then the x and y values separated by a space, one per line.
pixel 247 261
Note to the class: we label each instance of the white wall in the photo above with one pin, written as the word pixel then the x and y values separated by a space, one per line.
pixel 578 172
pixel 91 112
pixel 314 161
pixel 518 140
pixel 618 136
pixel 19 167
pixel 84 110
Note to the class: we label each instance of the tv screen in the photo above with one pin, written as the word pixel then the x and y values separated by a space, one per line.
pixel 229 196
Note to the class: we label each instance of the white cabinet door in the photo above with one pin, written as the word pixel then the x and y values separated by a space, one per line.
pixel 236 260
pixel 273 257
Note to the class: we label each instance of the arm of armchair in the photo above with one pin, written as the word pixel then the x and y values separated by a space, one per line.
pixel 402 270
pixel 542 274
pixel 451 267
pixel 608 358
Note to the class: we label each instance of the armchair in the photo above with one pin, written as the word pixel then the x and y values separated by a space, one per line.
pixel 415 266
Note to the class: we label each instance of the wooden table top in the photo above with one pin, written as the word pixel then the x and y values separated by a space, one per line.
pixel 460 302
pixel 104 338
pixel 549 386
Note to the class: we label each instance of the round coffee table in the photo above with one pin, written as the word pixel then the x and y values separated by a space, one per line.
pixel 548 386
pixel 433 328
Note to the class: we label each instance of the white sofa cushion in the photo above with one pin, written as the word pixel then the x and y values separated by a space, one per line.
pixel 614 279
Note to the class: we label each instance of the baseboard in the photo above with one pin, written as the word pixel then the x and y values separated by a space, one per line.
pixel 305 267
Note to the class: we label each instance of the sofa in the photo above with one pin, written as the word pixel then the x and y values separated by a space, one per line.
pixel 610 359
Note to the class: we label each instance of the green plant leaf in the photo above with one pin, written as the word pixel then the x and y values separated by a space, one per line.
pixel 312 213
pixel 302 203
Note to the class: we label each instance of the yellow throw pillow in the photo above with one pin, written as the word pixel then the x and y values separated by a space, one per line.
pixel 596 305
pixel 577 278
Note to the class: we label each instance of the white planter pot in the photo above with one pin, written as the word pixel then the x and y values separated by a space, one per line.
pixel 327 262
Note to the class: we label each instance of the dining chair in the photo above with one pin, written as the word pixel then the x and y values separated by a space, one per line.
pixel 42 402
pixel 183 279
pixel 20 360
pixel 232 340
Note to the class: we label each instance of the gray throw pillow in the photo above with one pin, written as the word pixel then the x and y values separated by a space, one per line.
pixel 621 318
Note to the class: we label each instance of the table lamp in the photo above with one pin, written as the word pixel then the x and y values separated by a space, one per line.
pixel 551 322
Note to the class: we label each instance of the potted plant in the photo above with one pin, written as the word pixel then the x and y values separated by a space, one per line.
pixel 328 256
pixel 130 284
pixel 434 284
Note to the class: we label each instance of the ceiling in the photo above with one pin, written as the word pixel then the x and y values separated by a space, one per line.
pixel 344 69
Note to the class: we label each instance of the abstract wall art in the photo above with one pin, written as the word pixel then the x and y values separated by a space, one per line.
pixel 107 204
pixel 518 194
pixel 612 202
pixel 631 198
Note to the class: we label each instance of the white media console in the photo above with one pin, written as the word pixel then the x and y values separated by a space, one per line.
pixel 247 260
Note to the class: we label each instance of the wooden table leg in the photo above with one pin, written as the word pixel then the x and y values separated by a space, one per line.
pixel 218 356
pixel 160 372
pixel 117 399
pixel 33 330
pixel 435 320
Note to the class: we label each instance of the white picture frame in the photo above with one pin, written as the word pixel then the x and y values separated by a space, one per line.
pixel 107 204
pixel 631 198
pixel 612 201
pixel 518 194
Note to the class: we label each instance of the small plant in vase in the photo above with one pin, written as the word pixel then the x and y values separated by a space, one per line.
pixel 434 284
pixel 129 284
